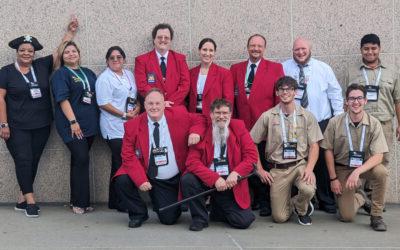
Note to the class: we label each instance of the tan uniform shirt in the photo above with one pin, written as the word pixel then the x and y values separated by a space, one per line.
pixel 389 88
pixel 336 139
pixel 268 127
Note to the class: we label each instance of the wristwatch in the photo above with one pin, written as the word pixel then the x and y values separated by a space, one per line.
pixel 72 122
pixel 4 125
pixel 124 116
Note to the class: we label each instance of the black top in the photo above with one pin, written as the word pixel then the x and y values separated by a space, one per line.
pixel 66 86
pixel 23 112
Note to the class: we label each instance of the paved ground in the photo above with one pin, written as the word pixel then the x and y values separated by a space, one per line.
pixel 58 228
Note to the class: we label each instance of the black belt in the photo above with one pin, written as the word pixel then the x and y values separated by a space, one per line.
pixel 284 165
pixel 339 164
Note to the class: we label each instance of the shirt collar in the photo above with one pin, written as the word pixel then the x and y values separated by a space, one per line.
pixel 159 55
pixel 380 64
pixel 256 63
pixel 299 110
pixel 364 120
pixel 162 121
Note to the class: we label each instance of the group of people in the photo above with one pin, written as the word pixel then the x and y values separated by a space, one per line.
pixel 175 132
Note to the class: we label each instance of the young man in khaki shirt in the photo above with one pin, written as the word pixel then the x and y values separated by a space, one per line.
pixel 361 157
pixel 292 135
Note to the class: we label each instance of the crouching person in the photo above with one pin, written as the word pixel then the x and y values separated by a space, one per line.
pixel 154 150
pixel 226 153
pixel 355 144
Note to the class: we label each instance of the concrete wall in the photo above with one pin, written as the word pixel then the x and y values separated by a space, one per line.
pixel 335 27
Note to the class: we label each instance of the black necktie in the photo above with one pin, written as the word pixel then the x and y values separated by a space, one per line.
pixel 222 153
pixel 163 67
pixel 152 170
pixel 250 78
pixel 302 82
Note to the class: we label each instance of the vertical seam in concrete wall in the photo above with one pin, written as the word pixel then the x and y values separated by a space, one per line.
pixel 394 60
pixel 291 21
pixel 190 33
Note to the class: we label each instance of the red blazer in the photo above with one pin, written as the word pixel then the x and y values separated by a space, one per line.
pixel 135 144
pixel 242 152
pixel 262 96
pixel 176 84
pixel 218 84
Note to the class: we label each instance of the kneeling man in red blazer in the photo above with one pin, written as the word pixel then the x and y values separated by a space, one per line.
pixel 226 153
pixel 154 150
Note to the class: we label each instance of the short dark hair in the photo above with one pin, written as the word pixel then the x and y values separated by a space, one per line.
pixel 154 90
pixel 111 49
pixel 370 38
pixel 207 40
pixel 259 35
pixel 64 46
pixel 285 80
pixel 218 103
pixel 162 26
pixel 356 86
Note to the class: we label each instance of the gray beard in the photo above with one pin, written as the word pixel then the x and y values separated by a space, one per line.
pixel 220 135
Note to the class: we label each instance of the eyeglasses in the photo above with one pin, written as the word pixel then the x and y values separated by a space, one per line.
pixel 353 99
pixel 282 90
pixel 166 38
pixel 115 58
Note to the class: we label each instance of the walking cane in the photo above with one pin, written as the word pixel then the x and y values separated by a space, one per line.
pixel 206 192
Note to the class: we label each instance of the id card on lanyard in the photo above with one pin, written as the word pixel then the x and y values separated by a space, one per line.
pixel 221 165
pixel 356 158
pixel 130 104
pixel 87 94
pixel 372 90
pixel 34 89
pixel 289 147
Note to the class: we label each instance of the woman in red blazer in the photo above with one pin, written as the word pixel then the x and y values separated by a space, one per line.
pixel 208 81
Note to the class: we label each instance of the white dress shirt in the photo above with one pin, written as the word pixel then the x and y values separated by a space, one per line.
pixel 159 57
pixel 323 89
pixel 114 89
pixel 248 69
pixel 170 170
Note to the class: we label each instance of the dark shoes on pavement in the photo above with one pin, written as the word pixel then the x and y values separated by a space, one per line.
pixel 265 211
pixel 20 206
pixel 32 210
pixel 378 224
pixel 134 223
pixel 197 226
pixel 305 220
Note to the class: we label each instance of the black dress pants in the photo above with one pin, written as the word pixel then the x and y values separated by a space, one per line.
pixel 324 194
pixel 79 175
pixel 116 161
pixel 260 190
pixel 163 193
pixel 26 147
pixel 223 205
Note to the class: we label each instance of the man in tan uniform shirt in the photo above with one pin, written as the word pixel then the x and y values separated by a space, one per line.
pixel 292 135
pixel 361 157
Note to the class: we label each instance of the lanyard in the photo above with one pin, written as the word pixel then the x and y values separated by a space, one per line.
pixel 378 78
pixel 85 82
pixel 25 78
pixel 349 136
pixel 283 127
pixel 122 83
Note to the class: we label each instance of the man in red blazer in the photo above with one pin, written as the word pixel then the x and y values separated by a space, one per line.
pixel 154 151
pixel 254 82
pixel 226 153
pixel 163 68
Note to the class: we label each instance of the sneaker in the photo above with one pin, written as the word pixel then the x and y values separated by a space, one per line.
pixel 32 211
pixel 378 224
pixel 20 206
pixel 304 220
pixel 197 226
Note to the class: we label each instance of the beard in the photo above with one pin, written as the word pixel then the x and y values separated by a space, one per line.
pixel 220 134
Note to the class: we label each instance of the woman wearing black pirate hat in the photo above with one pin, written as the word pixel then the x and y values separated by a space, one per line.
pixel 26 112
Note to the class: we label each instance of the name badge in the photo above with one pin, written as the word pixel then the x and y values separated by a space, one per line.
pixel 356 159
pixel 151 78
pixel 130 104
pixel 372 93
pixel 299 92
pixel 248 90
pixel 87 97
pixel 289 150
pixel 138 153
pixel 221 166
pixel 35 91
pixel 160 156
pixel 199 104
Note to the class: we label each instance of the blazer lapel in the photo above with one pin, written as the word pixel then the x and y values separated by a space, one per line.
pixel 156 65
pixel 210 80
pixel 144 139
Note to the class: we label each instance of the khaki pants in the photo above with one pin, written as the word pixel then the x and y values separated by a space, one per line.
pixel 349 201
pixel 387 128
pixel 281 189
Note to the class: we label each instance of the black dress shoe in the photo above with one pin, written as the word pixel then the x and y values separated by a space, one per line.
pixel 197 226
pixel 328 209
pixel 255 206
pixel 265 211
pixel 134 223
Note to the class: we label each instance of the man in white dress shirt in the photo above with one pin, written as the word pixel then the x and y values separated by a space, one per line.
pixel 321 94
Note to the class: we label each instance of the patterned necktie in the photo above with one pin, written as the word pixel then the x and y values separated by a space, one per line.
pixel 163 67
pixel 152 170
pixel 250 78
pixel 302 82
